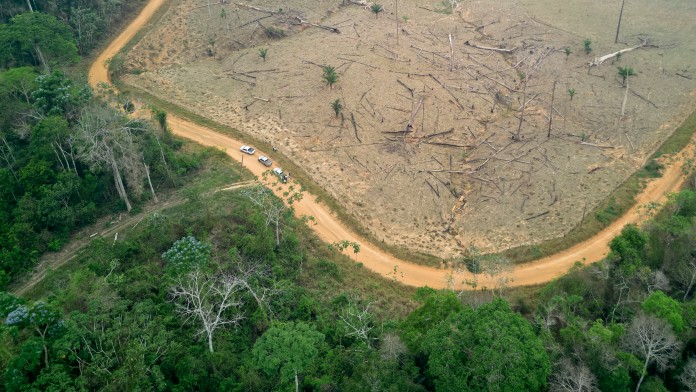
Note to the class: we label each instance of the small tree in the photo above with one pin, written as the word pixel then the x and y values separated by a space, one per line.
pixel 567 52
pixel 263 52
pixel 625 73
pixel 271 207
pixel 330 75
pixel 376 8
pixel 587 45
pixel 336 106
pixel 186 254
pixel 571 94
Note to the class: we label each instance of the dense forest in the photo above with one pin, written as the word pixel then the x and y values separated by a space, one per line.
pixel 230 291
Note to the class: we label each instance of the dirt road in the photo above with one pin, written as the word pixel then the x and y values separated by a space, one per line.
pixel 329 229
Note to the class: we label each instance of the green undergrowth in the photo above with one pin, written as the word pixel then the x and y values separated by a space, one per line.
pixel 227 220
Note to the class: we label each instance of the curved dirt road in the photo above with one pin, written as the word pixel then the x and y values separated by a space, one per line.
pixel 329 229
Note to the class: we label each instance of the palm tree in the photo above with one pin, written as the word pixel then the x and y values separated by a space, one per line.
pixel 587 45
pixel 263 52
pixel 336 106
pixel 376 8
pixel 330 75
pixel 625 73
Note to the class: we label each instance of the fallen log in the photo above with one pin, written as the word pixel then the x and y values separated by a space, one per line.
pixel 597 145
pixel 409 124
pixel 489 48
pixel 537 215
pixel 599 60
pixel 459 104
pixel 355 127
pixel 329 28
pixel 433 189
pixel 251 7
pixel 410 90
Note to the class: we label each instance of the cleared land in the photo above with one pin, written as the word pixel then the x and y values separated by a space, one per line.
pixel 456 177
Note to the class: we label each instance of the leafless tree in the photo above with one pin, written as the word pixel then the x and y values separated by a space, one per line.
pixel 105 139
pixel 213 299
pixel 254 277
pixel 498 269
pixel 7 155
pixel 652 339
pixel 688 375
pixel 358 319
pixel 570 377
pixel 271 207
pixel 685 275
pixel 392 348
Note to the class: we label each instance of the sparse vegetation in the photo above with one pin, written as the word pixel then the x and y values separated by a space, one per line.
pixel 263 53
pixel 571 93
pixel 376 8
pixel 337 107
pixel 330 76
pixel 625 73
pixel 587 45
pixel 274 32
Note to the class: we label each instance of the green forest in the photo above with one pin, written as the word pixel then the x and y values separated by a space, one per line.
pixel 216 288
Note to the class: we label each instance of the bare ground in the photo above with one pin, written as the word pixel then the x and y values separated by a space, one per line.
pixel 457 177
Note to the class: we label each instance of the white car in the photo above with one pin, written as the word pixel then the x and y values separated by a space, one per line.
pixel 248 149
pixel 265 161
pixel 279 172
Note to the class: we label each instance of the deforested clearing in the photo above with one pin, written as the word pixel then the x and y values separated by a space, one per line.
pixel 460 123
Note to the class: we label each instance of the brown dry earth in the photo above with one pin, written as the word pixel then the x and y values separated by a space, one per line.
pixel 330 229
pixel 456 179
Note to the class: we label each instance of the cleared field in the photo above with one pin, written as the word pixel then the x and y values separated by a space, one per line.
pixel 476 165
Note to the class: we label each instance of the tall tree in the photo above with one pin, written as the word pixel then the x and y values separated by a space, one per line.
pixel 491 348
pixel 212 299
pixel 38 39
pixel 107 140
pixel 287 349
pixel 570 377
pixel 651 339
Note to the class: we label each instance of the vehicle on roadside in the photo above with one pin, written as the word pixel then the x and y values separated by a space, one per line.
pixel 265 161
pixel 248 149
pixel 280 174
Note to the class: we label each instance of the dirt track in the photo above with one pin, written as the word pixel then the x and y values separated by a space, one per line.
pixel 330 229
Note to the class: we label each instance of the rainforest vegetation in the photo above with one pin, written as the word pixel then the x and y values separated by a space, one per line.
pixel 207 295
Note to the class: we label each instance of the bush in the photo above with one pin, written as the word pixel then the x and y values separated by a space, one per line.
pixel 274 32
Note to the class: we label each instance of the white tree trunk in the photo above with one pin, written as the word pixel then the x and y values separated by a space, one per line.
pixel 147 172
pixel 41 57
pixel 642 374
pixel 119 184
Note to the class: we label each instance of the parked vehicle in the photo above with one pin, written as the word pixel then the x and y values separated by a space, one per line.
pixel 265 161
pixel 248 149
pixel 280 174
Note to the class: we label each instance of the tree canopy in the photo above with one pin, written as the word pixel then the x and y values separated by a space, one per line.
pixel 490 348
